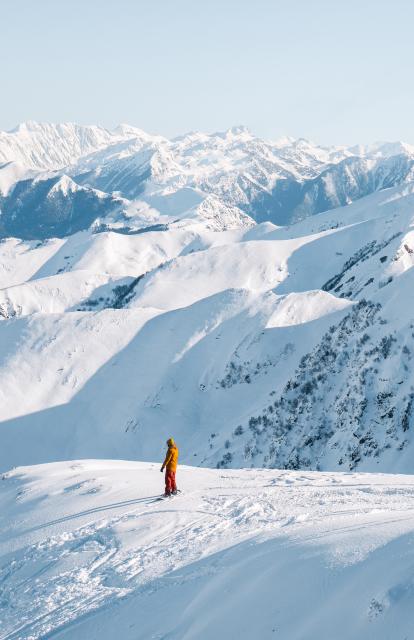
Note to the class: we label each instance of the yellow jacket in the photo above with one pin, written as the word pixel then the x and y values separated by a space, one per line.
pixel 171 459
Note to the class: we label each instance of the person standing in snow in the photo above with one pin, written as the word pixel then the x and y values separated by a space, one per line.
pixel 170 466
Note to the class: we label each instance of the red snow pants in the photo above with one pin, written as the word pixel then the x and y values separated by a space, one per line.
pixel 170 481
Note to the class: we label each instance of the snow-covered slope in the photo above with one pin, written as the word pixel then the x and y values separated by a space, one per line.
pixel 285 347
pixel 21 260
pixel 10 173
pixel 256 344
pixel 86 551
pixel 56 206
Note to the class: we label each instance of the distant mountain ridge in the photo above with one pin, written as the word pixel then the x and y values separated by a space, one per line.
pixel 281 182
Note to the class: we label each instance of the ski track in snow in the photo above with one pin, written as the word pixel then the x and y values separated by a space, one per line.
pixel 77 537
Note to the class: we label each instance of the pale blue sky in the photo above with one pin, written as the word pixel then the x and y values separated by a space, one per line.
pixel 335 71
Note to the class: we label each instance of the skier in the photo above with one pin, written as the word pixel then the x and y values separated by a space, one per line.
pixel 170 466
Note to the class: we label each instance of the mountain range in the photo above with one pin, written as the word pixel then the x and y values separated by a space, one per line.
pixel 250 297
pixel 56 180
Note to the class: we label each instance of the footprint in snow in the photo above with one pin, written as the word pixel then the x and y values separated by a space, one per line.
pixel 21 494
pixel 296 519
pixel 78 485
pixel 91 490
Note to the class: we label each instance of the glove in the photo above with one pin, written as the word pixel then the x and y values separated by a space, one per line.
pixel 162 469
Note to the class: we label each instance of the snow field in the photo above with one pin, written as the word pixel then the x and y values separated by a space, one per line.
pixel 87 551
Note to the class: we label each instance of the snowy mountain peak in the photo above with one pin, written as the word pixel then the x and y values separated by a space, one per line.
pixel 127 132
pixel 64 185
pixel 383 149
pixel 124 129
pixel 239 130
pixel 45 146
pixel 285 141
pixel 23 127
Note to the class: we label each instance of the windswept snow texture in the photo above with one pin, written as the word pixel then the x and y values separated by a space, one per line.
pixel 87 551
